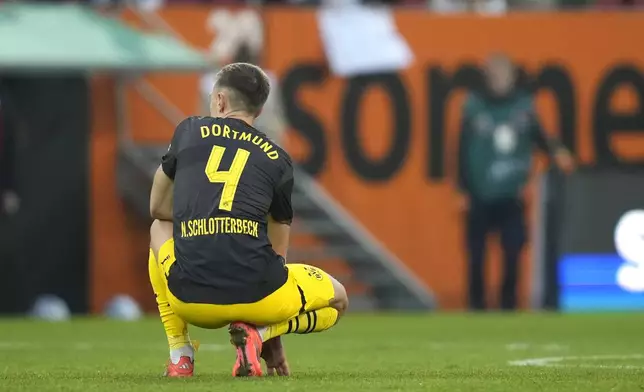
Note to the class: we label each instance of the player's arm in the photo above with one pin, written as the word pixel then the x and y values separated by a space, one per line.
pixel 279 235
pixel 281 213
pixel 161 195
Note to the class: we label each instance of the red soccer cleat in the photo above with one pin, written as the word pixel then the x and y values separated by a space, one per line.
pixel 248 343
pixel 184 368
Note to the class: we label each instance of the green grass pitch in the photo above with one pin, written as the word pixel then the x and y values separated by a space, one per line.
pixel 409 352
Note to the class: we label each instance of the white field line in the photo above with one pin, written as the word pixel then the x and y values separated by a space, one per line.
pixel 559 361
pixel 522 346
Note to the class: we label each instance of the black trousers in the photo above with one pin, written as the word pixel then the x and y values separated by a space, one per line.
pixel 507 218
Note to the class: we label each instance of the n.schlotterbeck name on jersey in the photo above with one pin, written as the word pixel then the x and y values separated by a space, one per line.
pixel 219 225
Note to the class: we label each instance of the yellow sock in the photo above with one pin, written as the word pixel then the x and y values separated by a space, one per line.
pixel 309 322
pixel 175 328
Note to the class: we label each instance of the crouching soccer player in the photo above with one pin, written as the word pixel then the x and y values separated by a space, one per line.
pixel 222 203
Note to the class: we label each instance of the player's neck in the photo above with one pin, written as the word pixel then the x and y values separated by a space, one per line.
pixel 247 118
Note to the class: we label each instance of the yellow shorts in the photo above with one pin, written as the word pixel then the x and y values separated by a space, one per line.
pixel 307 288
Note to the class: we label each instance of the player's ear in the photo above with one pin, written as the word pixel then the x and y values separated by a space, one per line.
pixel 221 102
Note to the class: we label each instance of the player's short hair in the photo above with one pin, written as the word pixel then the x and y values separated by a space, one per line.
pixel 248 84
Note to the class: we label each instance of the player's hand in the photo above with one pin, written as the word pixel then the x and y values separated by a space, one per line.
pixel 279 368
pixel 565 161
pixel 275 358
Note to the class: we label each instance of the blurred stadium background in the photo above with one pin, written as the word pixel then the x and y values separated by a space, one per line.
pixel 366 100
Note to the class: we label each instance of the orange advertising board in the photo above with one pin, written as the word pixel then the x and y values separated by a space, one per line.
pixel 384 145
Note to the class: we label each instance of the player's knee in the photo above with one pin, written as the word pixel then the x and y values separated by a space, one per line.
pixel 160 232
pixel 340 300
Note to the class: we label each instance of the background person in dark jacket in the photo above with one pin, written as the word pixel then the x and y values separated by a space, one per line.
pixel 500 131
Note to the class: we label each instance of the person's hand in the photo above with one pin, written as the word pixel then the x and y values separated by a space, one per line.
pixel 463 202
pixel 275 358
pixel 10 202
pixel 565 161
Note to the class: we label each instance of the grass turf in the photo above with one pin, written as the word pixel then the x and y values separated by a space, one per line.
pixel 363 353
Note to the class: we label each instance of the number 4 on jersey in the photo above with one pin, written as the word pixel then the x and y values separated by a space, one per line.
pixel 230 178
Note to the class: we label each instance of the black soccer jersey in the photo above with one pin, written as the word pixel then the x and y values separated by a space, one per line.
pixel 228 177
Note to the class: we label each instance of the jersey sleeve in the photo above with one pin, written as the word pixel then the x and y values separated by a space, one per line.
pixel 169 159
pixel 281 208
